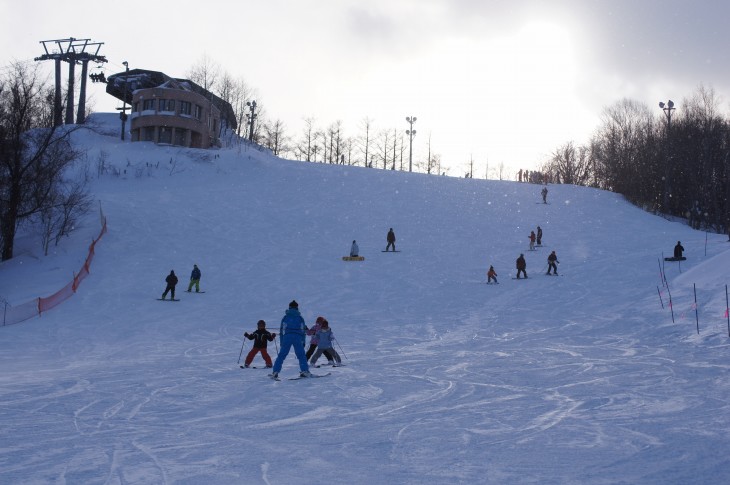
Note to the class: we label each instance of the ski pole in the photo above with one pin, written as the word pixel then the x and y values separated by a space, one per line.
pixel 242 345
pixel 338 344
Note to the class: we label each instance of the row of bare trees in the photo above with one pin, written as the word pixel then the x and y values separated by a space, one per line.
pixel 376 148
pixel 35 157
pixel 677 169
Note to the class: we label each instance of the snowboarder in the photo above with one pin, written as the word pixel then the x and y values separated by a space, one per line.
pixel 521 266
pixel 552 260
pixel 492 275
pixel 325 337
pixel 532 240
pixel 391 240
pixel 315 340
pixel 544 195
pixel 171 281
pixel 292 332
pixel 354 249
pixel 678 250
pixel 539 236
pixel 194 279
pixel 261 337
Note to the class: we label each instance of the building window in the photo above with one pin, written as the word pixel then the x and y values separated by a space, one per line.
pixel 167 105
pixel 148 104
pixel 185 108
pixel 149 133
pixel 165 135
pixel 198 112
pixel 180 136
pixel 136 107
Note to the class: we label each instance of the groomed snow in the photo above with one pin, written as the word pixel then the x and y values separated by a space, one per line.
pixel 581 378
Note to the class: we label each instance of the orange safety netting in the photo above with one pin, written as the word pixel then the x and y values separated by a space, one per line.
pixel 20 313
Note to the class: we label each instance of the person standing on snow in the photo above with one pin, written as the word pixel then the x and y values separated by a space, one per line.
pixel 261 337
pixel 325 338
pixel 678 250
pixel 354 249
pixel 194 279
pixel 391 240
pixel 171 281
pixel 544 195
pixel 521 266
pixel 491 275
pixel 552 260
pixel 539 236
pixel 292 334
pixel 532 240
pixel 314 341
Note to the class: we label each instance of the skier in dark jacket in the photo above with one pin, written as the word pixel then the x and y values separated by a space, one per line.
pixel 552 259
pixel 292 334
pixel 194 279
pixel 171 281
pixel 678 250
pixel 260 337
pixel 521 266
pixel 391 240
pixel 539 236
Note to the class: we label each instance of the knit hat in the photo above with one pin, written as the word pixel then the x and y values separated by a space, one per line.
pixel 293 304
pixel 320 319
pixel 260 322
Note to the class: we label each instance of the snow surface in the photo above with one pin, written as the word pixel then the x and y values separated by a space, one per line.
pixel 581 378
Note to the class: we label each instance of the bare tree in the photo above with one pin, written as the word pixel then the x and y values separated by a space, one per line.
pixel 33 155
pixel 365 140
pixel 206 73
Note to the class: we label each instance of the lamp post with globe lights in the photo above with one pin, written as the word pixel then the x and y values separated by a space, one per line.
pixel 667 108
pixel 411 133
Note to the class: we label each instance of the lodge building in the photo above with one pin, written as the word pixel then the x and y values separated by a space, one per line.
pixel 171 111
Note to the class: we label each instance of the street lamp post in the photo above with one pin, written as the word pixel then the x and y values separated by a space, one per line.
pixel 123 114
pixel 251 118
pixel 411 133
pixel 667 108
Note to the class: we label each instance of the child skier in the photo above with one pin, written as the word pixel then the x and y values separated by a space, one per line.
pixel 492 275
pixel 325 337
pixel 532 240
pixel 261 336
pixel 315 340
pixel 552 259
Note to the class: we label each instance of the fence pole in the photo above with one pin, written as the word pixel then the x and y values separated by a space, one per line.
pixel 670 303
pixel 697 314
pixel 727 312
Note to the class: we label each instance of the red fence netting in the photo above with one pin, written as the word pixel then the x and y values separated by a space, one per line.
pixel 24 311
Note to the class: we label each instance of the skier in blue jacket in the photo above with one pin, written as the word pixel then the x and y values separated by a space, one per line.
pixel 292 334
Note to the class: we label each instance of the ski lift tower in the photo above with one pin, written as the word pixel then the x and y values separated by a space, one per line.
pixel 74 51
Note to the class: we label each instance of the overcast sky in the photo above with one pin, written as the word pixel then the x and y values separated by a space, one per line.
pixel 499 81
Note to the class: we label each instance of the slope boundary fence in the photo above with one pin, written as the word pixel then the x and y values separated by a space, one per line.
pixel 33 308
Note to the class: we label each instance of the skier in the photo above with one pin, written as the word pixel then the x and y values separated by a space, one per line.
pixel 171 281
pixel 521 266
pixel 261 337
pixel 292 332
pixel 391 240
pixel 552 259
pixel 194 279
pixel 532 240
pixel 492 275
pixel 325 338
pixel 354 249
pixel 315 340
pixel 544 195
pixel 678 249
pixel 539 236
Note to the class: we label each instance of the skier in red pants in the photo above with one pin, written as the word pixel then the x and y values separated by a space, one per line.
pixel 261 337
